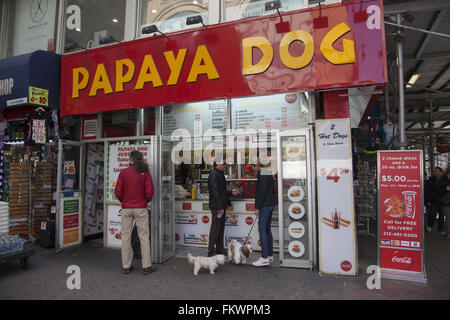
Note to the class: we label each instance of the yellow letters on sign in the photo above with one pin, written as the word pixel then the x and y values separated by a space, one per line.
pixel 331 54
pixel 247 55
pixel 123 78
pixel 78 85
pixel 175 65
pixel 145 76
pixel 198 68
pixel 101 81
pixel 308 54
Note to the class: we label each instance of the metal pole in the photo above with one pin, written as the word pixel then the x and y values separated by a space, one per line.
pixel 386 101
pixel 399 25
pixel 431 137
pixel 401 89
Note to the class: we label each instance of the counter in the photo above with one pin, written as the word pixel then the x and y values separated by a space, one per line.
pixel 193 222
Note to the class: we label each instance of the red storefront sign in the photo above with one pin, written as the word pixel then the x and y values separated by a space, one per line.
pixel 400 206
pixel 71 221
pixel 234 59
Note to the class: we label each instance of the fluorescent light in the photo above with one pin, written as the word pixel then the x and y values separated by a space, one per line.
pixel 413 80
pixel 154 11
pixel 115 20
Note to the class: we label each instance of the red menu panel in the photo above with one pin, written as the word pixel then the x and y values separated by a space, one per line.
pixel 400 207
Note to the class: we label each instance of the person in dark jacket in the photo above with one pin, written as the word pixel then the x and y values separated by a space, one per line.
pixel 435 188
pixel 265 202
pixel 134 189
pixel 218 203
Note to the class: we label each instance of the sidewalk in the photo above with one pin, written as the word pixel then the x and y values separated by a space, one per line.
pixel 101 278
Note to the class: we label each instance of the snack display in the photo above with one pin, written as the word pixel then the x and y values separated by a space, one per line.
pixel 18 201
pixel 42 194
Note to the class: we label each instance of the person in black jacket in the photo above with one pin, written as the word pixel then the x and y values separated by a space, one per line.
pixel 265 202
pixel 218 203
pixel 435 188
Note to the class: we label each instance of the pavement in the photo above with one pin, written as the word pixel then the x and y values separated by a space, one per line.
pixel 101 278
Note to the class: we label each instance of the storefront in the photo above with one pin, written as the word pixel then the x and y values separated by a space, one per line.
pixel 236 91
pixel 29 100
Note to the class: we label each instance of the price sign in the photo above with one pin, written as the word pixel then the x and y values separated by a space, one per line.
pixel 337 240
pixel 38 96
pixel 400 214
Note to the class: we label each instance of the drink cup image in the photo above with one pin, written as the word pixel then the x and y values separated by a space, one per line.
pixel 409 200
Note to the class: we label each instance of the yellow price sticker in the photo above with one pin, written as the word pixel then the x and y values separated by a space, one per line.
pixel 38 96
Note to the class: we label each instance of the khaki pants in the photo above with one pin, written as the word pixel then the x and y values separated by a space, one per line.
pixel 141 217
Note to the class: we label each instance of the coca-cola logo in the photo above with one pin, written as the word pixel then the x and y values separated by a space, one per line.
pixel 346 265
pixel 402 260
pixel 205 219
pixel 249 220
pixel 291 98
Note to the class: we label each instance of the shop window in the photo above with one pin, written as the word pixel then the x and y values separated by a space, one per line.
pixel 31 26
pixel 119 124
pixel 149 121
pixel 90 24
pixel 170 15
pixel 238 9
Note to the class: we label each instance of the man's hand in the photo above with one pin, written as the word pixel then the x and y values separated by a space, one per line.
pixel 220 212
pixel 256 211
pixel 235 192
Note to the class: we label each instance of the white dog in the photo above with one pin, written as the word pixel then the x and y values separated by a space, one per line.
pixel 210 263
pixel 239 253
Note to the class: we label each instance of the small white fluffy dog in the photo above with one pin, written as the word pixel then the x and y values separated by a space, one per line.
pixel 239 253
pixel 210 263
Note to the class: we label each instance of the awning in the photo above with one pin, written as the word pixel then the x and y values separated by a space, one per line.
pixel 30 79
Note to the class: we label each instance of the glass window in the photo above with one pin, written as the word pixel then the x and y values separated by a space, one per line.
pixel 170 15
pixel 31 26
pixel 89 24
pixel 239 9
pixel 119 124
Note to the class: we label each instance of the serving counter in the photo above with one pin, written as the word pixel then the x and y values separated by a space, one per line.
pixel 193 222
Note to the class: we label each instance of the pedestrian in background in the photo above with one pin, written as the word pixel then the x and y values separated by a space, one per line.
pixel 134 189
pixel 265 202
pixel 445 203
pixel 435 188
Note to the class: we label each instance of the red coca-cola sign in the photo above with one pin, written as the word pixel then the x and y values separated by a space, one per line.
pixel 346 265
pixel 205 219
pixel 406 260
pixel 249 221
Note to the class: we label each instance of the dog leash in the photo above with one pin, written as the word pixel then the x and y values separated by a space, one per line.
pixel 252 227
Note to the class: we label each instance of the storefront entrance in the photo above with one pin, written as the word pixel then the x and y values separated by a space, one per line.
pixel 87 206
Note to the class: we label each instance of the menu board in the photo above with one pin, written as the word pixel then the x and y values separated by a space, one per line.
pixel 280 111
pixel 212 114
pixel 400 214
pixel 337 227
pixel 70 222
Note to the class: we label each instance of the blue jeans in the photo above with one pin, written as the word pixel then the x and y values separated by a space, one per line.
pixel 265 232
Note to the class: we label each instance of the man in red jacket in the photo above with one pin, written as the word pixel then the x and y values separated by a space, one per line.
pixel 134 189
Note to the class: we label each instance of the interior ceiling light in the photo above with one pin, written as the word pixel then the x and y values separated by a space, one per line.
pixel 413 80
pixel 115 20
